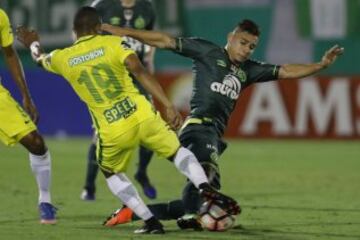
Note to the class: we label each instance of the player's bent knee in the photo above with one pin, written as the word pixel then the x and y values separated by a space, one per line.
pixel 172 157
pixel 34 143
pixel 106 173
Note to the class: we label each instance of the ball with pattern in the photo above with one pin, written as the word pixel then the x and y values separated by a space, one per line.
pixel 214 218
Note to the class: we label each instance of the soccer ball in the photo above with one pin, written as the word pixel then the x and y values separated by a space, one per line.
pixel 214 218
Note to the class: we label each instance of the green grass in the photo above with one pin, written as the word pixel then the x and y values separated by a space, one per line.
pixel 287 189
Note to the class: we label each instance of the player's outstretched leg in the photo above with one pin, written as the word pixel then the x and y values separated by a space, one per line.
pixel 191 196
pixel 122 188
pixel 164 211
pixel 88 193
pixel 227 203
pixel 206 193
pixel 141 176
pixel 192 201
pixel 151 226
pixel 40 162
pixel 119 216
pixel 186 163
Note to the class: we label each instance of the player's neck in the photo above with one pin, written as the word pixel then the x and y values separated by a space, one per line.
pixel 127 3
pixel 84 34
pixel 232 60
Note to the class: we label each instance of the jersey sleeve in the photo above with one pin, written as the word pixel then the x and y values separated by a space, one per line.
pixel 49 63
pixel 262 72
pixel 123 50
pixel 6 35
pixel 97 4
pixel 193 47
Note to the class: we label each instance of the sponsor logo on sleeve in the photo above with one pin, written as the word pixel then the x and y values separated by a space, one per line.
pixel 221 63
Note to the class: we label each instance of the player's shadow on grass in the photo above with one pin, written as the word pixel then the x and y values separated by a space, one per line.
pixel 352 210
pixel 62 218
pixel 23 220
pixel 81 217
pixel 271 233
pixel 275 229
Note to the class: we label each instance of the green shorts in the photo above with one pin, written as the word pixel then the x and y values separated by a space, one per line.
pixel 207 146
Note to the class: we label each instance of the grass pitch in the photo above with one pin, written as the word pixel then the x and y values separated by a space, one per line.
pixel 287 189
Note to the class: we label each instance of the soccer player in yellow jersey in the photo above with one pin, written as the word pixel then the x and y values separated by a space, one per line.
pixel 17 126
pixel 134 14
pixel 98 68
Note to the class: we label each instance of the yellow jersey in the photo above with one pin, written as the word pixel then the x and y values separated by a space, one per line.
pixel 6 35
pixel 94 67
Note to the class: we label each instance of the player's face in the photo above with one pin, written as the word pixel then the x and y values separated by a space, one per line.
pixel 241 46
pixel 128 2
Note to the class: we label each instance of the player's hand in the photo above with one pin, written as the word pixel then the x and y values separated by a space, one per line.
pixel 30 108
pixel 26 36
pixel 331 55
pixel 174 118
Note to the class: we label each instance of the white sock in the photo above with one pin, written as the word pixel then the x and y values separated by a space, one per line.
pixel 41 167
pixel 186 162
pixel 121 187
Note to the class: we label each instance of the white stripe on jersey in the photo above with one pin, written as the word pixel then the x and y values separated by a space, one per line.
pixel 94 3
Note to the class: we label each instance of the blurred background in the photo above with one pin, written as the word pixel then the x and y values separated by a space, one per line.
pixel 293 31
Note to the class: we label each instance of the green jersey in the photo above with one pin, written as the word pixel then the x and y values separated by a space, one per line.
pixel 217 81
pixel 139 16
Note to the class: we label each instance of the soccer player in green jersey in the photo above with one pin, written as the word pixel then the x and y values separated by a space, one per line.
pixel 17 126
pixel 98 68
pixel 220 74
pixel 137 14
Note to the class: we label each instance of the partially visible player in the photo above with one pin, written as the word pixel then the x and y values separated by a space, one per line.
pixel 137 14
pixel 17 126
pixel 98 69
pixel 220 74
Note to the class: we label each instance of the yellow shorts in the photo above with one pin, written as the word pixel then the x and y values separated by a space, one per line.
pixel 153 133
pixel 15 123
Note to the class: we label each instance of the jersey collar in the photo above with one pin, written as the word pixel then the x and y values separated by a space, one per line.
pixel 230 62
pixel 84 38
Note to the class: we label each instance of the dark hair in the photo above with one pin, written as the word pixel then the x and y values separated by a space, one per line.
pixel 248 26
pixel 86 19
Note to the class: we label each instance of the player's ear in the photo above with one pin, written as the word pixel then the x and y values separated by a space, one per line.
pixel 229 36
pixel 98 28
pixel 73 35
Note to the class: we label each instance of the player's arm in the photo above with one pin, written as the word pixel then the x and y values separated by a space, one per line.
pixel 303 70
pixel 149 60
pixel 17 73
pixel 152 38
pixel 30 39
pixel 135 67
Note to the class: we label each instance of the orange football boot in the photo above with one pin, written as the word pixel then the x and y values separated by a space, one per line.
pixel 120 216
